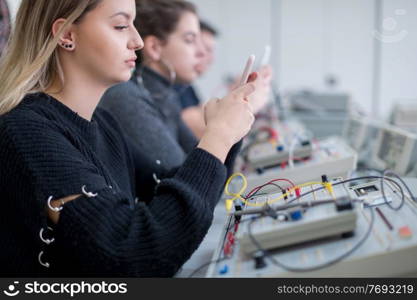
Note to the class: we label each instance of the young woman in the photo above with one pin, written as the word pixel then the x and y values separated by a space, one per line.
pixel 150 113
pixel 67 179
pixel 146 106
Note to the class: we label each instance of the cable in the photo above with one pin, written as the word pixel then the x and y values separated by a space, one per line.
pixel 262 213
pixel 290 190
pixel 229 202
pixel 384 174
pixel 256 193
pixel 314 268
pixel 220 259
pixel 268 183
pixel 216 261
pixel 257 211
pixel 357 179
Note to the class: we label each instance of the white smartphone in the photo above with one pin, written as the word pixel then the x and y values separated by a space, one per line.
pixel 266 56
pixel 247 70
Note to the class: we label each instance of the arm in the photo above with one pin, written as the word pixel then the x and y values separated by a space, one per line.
pixel 103 235
pixel 186 137
pixel 149 241
pixel 193 117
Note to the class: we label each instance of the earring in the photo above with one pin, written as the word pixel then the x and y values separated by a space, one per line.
pixel 67 46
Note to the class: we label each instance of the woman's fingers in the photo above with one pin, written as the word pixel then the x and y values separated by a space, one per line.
pixel 243 91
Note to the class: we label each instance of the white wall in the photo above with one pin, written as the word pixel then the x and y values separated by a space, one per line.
pixel 324 37
pixel 399 53
pixel 13 6
pixel 314 38
pixel 242 33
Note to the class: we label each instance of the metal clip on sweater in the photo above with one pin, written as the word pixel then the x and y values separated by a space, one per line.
pixel 46 241
pixel 88 194
pixel 45 264
pixel 55 209
pixel 157 180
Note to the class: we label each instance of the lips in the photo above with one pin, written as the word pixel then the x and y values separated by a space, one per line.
pixel 131 62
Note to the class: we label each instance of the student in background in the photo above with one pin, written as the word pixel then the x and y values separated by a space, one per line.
pixel 146 105
pixel 192 106
pixel 68 182
pixel 188 96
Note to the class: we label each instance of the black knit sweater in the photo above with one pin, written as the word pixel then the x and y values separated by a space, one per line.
pixel 148 113
pixel 158 138
pixel 48 150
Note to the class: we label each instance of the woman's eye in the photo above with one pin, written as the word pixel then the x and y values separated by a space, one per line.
pixel 121 27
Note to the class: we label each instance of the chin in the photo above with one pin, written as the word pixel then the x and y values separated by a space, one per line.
pixel 191 77
pixel 116 80
pixel 123 77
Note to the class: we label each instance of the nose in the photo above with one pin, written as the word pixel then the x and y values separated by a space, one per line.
pixel 136 42
pixel 200 51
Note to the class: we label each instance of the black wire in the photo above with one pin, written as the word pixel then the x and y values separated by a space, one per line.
pixel 407 188
pixel 384 174
pixel 357 179
pixel 261 212
pixel 314 268
pixel 354 248
pixel 255 194
pixel 208 264
pixel 263 186
pixel 230 226
pixel 233 224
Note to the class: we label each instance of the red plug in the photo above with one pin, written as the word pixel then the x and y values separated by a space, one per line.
pixel 298 192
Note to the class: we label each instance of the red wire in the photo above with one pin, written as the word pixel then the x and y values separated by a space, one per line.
pixel 254 190
pixel 273 134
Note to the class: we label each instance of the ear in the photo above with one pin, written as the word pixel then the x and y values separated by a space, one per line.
pixel 152 48
pixel 67 38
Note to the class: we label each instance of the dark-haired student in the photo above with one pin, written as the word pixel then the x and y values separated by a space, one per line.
pixel 68 182
pixel 147 106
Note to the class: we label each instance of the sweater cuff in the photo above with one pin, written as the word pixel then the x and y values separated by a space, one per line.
pixel 204 172
pixel 234 151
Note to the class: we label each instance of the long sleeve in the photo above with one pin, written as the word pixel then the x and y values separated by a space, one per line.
pixel 147 241
pixel 186 138
pixel 231 158
pixel 107 234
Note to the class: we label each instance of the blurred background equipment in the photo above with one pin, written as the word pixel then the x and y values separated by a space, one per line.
pixel 404 114
pixel 5 24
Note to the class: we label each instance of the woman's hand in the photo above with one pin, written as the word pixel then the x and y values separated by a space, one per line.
pixel 260 97
pixel 228 120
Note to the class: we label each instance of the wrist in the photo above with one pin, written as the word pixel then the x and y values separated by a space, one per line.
pixel 214 142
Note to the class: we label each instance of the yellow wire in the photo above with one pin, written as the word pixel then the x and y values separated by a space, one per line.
pixel 238 195
pixel 229 202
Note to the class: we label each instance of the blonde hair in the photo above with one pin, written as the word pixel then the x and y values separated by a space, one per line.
pixel 30 61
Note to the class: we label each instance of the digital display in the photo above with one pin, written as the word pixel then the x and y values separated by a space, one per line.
pixel 391 148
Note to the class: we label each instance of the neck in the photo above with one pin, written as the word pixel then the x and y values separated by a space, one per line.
pixel 80 93
pixel 159 68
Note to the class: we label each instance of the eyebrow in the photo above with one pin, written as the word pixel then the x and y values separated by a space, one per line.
pixel 190 33
pixel 121 13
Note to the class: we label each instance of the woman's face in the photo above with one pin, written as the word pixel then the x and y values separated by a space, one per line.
pixel 208 41
pixel 183 49
pixel 106 41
